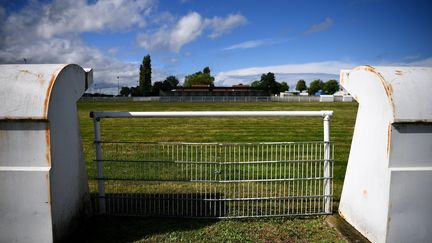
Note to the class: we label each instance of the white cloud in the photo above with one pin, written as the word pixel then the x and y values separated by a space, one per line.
pixel 331 67
pixel 2 13
pixel 188 28
pixel 327 23
pixel 423 63
pixel 163 18
pixel 76 16
pixel 220 26
pixel 411 57
pixel 251 44
pixel 49 33
pixel 113 51
pixel 291 73
pixel 73 50
pixel 427 62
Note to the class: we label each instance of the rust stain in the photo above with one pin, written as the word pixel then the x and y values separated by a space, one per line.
pixel 342 78
pixel 41 79
pixel 366 68
pixel 25 71
pixel 387 86
pixel 48 94
pixel 48 91
pixel 48 144
pixel 398 72
pixel 388 89
pixel 39 76
pixel 365 194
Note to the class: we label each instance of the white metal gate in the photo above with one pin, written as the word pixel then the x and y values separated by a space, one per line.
pixel 213 180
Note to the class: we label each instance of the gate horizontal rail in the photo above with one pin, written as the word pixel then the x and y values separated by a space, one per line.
pixel 214 180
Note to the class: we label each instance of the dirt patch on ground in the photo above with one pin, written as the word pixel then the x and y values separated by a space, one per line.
pixel 345 229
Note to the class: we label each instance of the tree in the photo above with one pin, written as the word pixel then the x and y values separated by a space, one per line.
pixel 256 84
pixel 301 85
pixel 199 78
pixel 315 86
pixel 331 86
pixel 125 91
pixel 206 70
pixel 268 83
pixel 170 83
pixel 157 86
pixel 283 87
pixel 145 76
pixel 136 91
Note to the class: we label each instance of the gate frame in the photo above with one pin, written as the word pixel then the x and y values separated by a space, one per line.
pixel 325 114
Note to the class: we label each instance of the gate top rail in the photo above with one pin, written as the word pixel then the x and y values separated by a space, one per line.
pixel 170 114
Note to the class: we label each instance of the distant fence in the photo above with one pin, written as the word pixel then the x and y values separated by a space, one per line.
pixel 213 98
pixel 115 99
pixel 296 98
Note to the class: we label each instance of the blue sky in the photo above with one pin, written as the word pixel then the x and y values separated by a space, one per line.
pixel 239 40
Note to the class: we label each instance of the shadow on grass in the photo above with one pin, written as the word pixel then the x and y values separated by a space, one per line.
pixel 132 228
pixel 201 205
pixel 129 229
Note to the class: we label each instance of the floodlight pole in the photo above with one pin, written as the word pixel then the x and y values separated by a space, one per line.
pixel 118 85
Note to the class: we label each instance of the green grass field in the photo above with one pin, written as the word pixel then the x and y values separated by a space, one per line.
pixel 218 130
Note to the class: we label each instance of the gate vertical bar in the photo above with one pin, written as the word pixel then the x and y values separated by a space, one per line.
pixel 327 206
pixel 99 165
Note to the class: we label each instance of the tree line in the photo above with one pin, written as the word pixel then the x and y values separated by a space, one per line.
pixel 329 87
pixel 145 87
pixel 267 83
